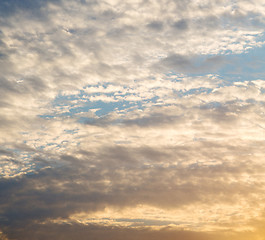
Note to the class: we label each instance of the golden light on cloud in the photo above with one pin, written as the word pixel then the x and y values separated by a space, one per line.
pixel 198 217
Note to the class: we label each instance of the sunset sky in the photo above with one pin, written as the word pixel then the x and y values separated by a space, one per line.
pixel 132 119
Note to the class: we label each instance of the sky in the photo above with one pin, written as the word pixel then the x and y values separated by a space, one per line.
pixel 133 119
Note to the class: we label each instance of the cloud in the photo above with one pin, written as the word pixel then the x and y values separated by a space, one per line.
pixel 93 181
pixel 193 64
pixel 155 25
pixel 181 25
pixel 9 8
pixel 124 119
pixel 53 231
pixel 66 231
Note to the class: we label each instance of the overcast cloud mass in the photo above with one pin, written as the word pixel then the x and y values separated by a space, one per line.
pixel 135 119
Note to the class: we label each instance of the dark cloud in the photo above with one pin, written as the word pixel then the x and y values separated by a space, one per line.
pixel 79 231
pixel 209 23
pixel 152 120
pixel 190 64
pixel 155 25
pixel 136 176
pixel 223 114
pixel 10 7
pixel 181 25
pixel 6 152
pixel 71 231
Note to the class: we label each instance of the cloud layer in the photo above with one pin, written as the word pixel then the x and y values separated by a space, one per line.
pixel 132 119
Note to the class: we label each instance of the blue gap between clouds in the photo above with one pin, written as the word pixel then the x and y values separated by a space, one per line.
pixel 235 68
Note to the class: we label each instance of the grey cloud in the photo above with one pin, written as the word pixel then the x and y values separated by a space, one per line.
pixel 215 108
pixel 226 113
pixel 208 23
pixel 28 204
pixel 189 64
pixel 176 61
pixel 10 7
pixel 150 120
pixel 181 25
pixel 109 15
pixel 6 152
pixel 155 25
pixel 181 6
pixel 245 19
pixel 155 119
pixel 135 174
pixel 8 86
pixel 73 231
